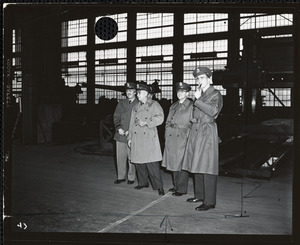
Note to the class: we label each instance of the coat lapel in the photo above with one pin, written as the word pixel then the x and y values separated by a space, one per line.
pixel 208 92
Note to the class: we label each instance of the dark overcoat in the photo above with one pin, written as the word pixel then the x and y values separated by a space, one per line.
pixel 145 145
pixel 122 117
pixel 177 129
pixel 202 151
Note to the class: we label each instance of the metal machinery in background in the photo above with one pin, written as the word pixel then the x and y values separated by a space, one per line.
pixel 255 138
pixel 106 127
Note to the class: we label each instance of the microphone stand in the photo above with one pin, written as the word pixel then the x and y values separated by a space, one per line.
pixel 242 212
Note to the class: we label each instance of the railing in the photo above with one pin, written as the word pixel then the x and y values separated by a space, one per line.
pixel 106 130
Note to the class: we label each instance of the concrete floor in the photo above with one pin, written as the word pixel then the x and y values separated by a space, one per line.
pixel 56 189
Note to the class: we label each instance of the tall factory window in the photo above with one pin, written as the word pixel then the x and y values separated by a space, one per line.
pixel 74 69
pixel 110 69
pixel 121 19
pixel 260 20
pixel 16 40
pixel 154 63
pixel 74 33
pixel 17 76
pixel 16 62
pixel 73 64
pixel 195 23
pixel 154 25
pixel 212 54
pixel 283 94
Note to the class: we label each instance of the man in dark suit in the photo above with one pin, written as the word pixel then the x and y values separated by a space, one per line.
pixel 121 121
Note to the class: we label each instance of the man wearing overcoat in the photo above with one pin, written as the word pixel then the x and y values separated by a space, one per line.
pixel 202 152
pixel 143 139
pixel 121 121
pixel 177 130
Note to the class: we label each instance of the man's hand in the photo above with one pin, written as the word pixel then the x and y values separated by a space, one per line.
pixel 126 133
pixel 198 93
pixel 129 143
pixel 121 131
pixel 142 123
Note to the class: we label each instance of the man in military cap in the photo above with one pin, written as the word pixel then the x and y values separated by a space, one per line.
pixel 176 134
pixel 121 121
pixel 202 153
pixel 202 71
pixel 143 139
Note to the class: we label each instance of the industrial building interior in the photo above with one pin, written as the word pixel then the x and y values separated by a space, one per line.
pixel 62 83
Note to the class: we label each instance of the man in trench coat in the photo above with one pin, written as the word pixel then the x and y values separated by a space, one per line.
pixel 143 139
pixel 202 153
pixel 121 121
pixel 177 130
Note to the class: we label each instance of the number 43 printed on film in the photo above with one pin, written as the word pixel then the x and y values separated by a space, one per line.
pixel 22 225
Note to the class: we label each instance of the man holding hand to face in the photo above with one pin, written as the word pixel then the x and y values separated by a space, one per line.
pixel 202 152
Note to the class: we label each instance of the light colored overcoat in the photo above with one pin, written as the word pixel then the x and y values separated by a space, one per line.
pixel 202 151
pixel 177 130
pixel 145 145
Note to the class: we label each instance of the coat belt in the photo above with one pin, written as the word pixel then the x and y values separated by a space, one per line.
pixel 199 120
pixel 175 125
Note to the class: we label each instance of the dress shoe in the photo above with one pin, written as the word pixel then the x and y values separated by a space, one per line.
pixel 161 192
pixel 172 189
pixel 130 182
pixel 138 187
pixel 119 181
pixel 178 194
pixel 194 199
pixel 204 207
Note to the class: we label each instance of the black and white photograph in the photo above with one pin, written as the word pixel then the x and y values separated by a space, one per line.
pixel 150 122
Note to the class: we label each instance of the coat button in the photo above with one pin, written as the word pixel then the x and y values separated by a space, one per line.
pixel 177 135
pixel 196 129
pixel 144 133
pixel 135 132
pixel 170 134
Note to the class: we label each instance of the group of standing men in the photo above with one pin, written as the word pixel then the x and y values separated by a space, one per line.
pixel 191 139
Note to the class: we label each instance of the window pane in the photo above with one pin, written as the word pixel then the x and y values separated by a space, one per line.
pixel 112 73
pixel 152 70
pixel 74 33
pixel 205 23
pixel 74 71
pixel 260 20
pixel 283 94
pixel 154 25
